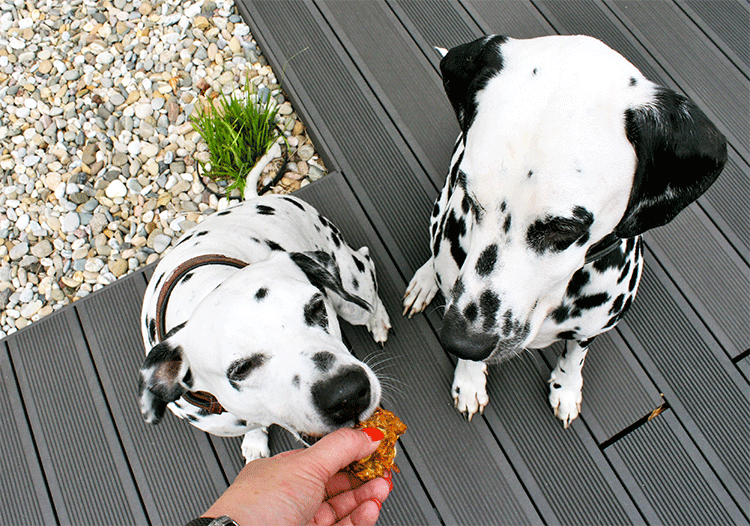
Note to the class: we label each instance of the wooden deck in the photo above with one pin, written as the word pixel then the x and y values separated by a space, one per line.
pixel 364 77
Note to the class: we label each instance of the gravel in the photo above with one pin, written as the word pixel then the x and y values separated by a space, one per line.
pixel 98 157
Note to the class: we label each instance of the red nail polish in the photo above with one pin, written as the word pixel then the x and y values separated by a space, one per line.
pixel 376 501
pixel 374 433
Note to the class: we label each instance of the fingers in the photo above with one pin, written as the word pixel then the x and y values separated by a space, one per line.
pixel 359 506
pixel 337 450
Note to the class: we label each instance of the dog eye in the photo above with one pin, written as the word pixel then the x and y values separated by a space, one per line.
pixel 241 369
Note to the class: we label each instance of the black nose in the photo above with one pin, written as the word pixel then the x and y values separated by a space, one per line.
pixel 457 338
pixel 342 398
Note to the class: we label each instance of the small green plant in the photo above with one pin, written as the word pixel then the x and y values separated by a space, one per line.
pixel 238 133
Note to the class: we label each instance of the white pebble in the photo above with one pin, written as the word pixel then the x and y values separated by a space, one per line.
pixel 116 189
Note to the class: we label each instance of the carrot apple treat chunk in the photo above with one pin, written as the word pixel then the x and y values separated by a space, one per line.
pixel 383 458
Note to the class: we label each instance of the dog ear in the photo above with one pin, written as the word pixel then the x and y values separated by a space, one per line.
pixel 680 153
pixel 322 271
pixel 160 380
pixel 466 69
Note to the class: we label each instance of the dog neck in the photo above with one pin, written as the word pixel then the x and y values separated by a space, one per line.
pixel 201 399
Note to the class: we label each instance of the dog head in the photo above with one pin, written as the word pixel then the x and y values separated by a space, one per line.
pixel 565 146
pixel 266 343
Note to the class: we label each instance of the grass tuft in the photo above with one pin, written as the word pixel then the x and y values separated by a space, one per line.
pixel 238 132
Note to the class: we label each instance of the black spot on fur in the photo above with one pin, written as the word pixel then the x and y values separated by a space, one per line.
pixel 528 175
pixel 274 246
pixel 615 259
pixel 186 277
pixel 454 229
pixel 240 422
pixel 261 293
pixel 556 233
pixel 507 322
pixel 566 335
pixel 201 233
pixel 336 238
pixel 633 280
pixel 240 369
pixel 624 273
pixel 586 343
pixel 151 324
pixel 355 283
pixel 503 206
pixel 617 304
pixel 561 313
pixel 506 224
pixel 294 202
pixel 632 82
pixel 489 303
pixel 191 418
pixel 471 311
pixel 224 213
pixel 458 288
pixel 579 280
pixel 315 312
pixel 556 385
pixel 534 72
pixel 436 209
pixel 359 264
pixel 486 262
pixel 323 360
pixel 296 381
pixel 265 210
pixel 592 301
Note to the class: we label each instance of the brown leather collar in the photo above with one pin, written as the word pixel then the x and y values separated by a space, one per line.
pixel 202 399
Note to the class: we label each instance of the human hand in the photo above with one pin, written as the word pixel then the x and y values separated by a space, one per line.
pixel 307 486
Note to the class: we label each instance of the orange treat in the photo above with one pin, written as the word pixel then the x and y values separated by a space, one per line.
pixel 376 464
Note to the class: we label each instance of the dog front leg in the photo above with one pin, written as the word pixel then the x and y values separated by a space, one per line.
pixel 255 444
pixel 470 387
pixel 566 382
pixel 422 288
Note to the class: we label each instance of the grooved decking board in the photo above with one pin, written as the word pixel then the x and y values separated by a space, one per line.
pixel 688 57
pixel 553 462
pixel 439 23
pixel 25 491
pixel 672 475
pixel 711 275
pixel 616 391
pixel 744 367
pixel 167 458
pixel 415 102
pixel 445 451
pixel 84 464
pixel 700 383
pixel 354 129
pixel 513 19
pixel 729 20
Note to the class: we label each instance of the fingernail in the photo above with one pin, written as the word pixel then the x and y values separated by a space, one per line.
pixel 389 479
pixel 376 501
pixel 374 433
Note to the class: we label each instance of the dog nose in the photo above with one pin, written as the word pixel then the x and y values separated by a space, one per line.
pixel 458 339
pixel 342 398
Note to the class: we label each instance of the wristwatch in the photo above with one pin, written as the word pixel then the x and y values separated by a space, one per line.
pixel 218 521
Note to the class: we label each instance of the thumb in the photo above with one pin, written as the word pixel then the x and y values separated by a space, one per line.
pixel 335 451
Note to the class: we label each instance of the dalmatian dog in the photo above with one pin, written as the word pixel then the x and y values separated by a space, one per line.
pixel 566 155
pixel 240 325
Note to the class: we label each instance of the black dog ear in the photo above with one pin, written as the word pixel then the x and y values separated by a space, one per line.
pixel 160 380
pixel 323 272
pixel 466 69
pixel 680 153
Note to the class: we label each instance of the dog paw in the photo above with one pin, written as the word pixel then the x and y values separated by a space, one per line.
pixel 565 395
pixel 422 288
pixel 255 444
pixel 379 323
pixel 470 387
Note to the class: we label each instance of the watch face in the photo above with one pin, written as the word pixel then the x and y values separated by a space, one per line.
pixel 223 521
